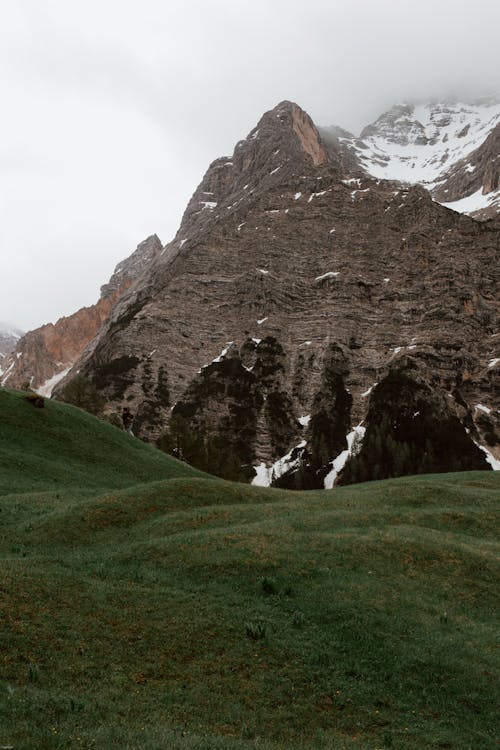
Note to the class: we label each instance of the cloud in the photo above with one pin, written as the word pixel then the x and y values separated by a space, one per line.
pixel 113 110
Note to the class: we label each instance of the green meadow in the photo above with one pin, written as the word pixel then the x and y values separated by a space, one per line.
pixel 146 605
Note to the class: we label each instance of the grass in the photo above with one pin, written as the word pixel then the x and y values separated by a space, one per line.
pixel 63 448
pixel 144 605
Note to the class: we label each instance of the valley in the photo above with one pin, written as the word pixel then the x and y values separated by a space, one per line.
pixel 147 605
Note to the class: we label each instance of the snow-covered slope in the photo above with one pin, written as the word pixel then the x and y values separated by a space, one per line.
pixel 429 142
pixel 475 203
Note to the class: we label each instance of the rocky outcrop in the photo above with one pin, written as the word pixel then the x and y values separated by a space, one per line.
pixel 411 428
pixel 43 356
pixel 289 292
pixel 132 267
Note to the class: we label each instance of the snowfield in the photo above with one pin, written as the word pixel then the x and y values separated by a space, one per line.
pixel 420 146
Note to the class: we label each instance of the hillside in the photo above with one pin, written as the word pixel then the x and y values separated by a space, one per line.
pixel 62 448
pixel 195 614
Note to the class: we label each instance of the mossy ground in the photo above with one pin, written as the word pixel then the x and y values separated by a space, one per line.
pixel 130 585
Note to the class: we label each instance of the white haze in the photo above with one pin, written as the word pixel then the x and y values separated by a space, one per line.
pixel 112 110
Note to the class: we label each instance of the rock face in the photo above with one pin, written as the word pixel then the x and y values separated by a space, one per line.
pixel 452 148
pixel 299 308
pixel 473 183
pixel 43 357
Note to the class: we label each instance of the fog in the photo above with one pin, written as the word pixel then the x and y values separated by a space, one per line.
pixel 112 111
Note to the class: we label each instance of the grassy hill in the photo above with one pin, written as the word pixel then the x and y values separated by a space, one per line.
pixel 143 605
pixel 63 448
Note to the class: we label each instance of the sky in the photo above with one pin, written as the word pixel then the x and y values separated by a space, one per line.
pixel 112 110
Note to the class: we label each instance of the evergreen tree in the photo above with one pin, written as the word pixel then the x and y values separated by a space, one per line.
pixel 81 392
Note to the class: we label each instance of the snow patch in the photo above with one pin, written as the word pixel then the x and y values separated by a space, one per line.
pixel 46 388
pixel 208 204
pixel 264 475
pixel 262 320
pixel 7 373
pixel 490 458
pixel 354 192
pixel 340 461
pixel 304 421
pixel 297 196
pixel 481 407
pixel 474 202
pixel 493 362
pixel 328 275
pixel 220 357
pixel 316 195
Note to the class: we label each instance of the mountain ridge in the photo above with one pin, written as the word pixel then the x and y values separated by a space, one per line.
pixel 42 357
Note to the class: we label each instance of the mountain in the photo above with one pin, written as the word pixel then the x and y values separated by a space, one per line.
pixel 452 148
pixel 307 327
pixel 42 357
pixel 9 336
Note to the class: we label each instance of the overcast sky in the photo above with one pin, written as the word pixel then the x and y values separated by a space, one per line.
pixel 111 110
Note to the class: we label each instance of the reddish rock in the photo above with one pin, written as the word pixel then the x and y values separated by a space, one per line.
pixel 43 354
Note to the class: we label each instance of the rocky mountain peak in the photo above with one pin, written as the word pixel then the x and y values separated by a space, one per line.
pixel 133 266
pixel 292 117
pixel 428 122
pixel 284 141
pixel 397 125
